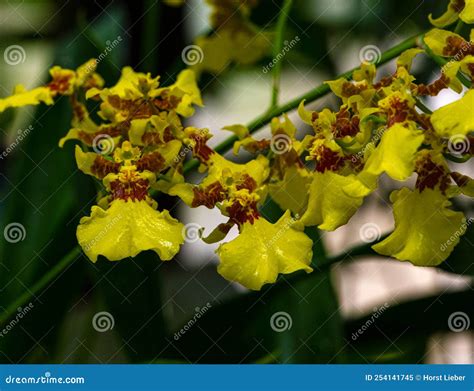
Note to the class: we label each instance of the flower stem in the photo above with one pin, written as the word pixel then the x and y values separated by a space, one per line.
pixel 52 274
pixel 277 48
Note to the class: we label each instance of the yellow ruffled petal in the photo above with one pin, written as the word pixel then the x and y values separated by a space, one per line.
pixel 127 228
pixel 395 153
pixel 455 118
pixel 426 231
pixel 264 250
pixel 333 199
pixel 22 97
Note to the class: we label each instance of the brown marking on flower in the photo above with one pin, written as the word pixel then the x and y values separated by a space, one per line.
pixel 138 108
pixel 460 179
pixel 241 214
pixel 61 82
pixel 432 89
pixel 209 196
pixel 457 47
pixel 457 5
pixel 399 111
pixel 384 82
pixel 350 89
pixel 153 162
pixel 166 102
pixel 345 125
pixel 201 150
pixel 88 138
pixel 431 175
pixel 135 190
pixel 327 159
pixel 101 167
pixel 247 182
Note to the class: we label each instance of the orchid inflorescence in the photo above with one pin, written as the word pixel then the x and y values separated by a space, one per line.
pixel 138 148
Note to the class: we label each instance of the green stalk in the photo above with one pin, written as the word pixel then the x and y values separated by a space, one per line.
pixel 54 272
pixel 277 48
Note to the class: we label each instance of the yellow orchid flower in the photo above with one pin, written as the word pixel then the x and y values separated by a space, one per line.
pixel 235 39
pixel 129 222
pixel 426 230
pixel 63 82
pixel 263 250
